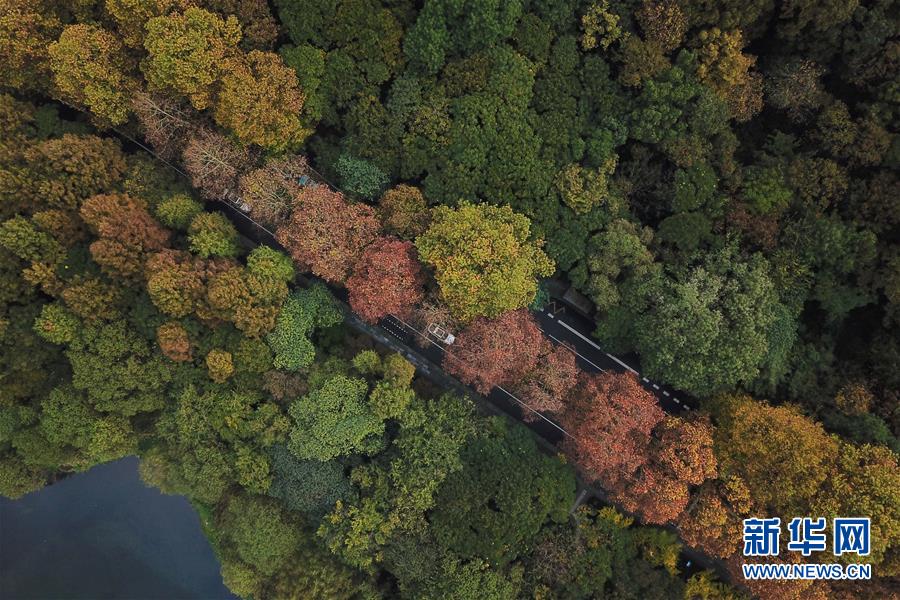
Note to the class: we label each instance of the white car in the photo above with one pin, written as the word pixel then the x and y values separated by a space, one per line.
pixel 441 334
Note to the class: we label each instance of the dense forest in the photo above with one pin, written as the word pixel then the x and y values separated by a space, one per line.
pixel 719 178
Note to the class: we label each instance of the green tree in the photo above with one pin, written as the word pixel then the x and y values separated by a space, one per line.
pixel 68 420
pixel 400 484
pixel 259 532
pixel 118 369
pixel 444 28
pixel 360 177
pixel 335 420
pixel 178 211
pixel 187 52
pixel 270 263
pixel 91 68
pixel 704 328
pixel 614 255
pixel 212 234
pixel 311 487
pixel 484 259
pixel 303 312
pixel 506 491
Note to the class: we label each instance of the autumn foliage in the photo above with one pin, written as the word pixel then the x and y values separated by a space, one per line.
pixel 680 456
pixel 327 233
pixel 611 418
pixel 492 352
pixel 174 341
pixel 216 289
pixel 126 232
pixel 387 279
pixel 214 163
pixel 546 387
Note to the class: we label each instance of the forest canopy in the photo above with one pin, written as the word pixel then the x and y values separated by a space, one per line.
pixel 719 179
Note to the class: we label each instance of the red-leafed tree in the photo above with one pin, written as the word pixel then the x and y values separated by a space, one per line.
pixel 547 386
pixel 127 233
pixel 611 418
pixel 680 457
pixel 499 351
pixel 387 279
pixel 327 233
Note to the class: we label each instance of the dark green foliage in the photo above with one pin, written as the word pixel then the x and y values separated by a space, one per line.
pixel 732 245
pixel 446 28
pixel 308 486
pixel 704 328
pixel 503 475
pixel 302 313
pixel 360 177
pixel 605 557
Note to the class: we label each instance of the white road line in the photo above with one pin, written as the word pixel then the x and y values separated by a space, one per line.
pixel 645 380
pixel 665 393
pixel 573 351
pixel 508 393
pixel 655 387
pixel 549 314
pixel 573 330
pixel 677 401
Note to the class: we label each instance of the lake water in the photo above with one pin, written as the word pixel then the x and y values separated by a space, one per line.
pixel 103 534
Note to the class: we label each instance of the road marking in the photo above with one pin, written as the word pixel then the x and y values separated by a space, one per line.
pixel 573 351
pixel 655 387
pixel 677 401
pixel 665 393
pixel 549 314
pixel 538 413
pixel 645 380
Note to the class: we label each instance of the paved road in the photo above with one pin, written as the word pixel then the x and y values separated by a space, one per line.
pixel 563 325
pixel 559 322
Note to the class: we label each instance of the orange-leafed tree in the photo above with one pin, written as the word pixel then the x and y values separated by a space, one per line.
pixel 546 387
pixel 713 520
pixel 611 418
pixel 175 282
pixel 126 231
pixel 260 101
pixel 681 456
pixel 270 190
pixel 174 341
pixel 499 351
pixel 326 233
pixel 387 279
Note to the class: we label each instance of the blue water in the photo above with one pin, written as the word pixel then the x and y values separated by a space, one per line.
pixel 103 534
